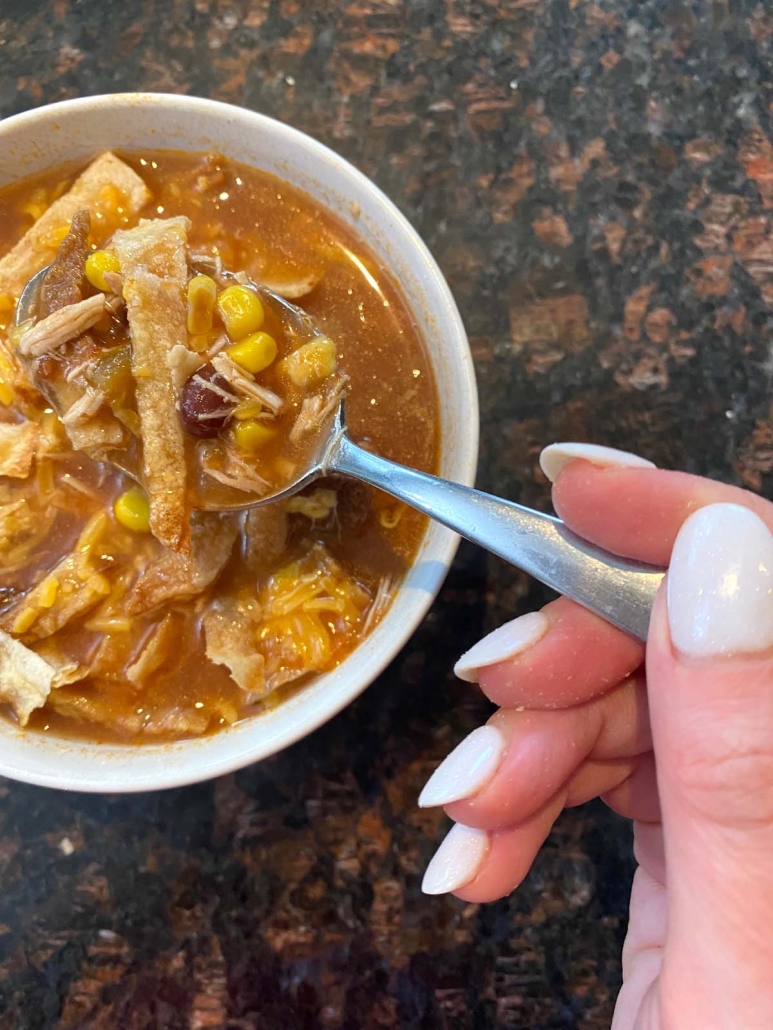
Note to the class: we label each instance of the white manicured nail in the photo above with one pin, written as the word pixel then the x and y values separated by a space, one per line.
pixel 468 768
pixel 720 583
pixel 505 642
pixel 456 861
pixel 554 457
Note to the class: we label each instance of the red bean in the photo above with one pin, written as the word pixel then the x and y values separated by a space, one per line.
pixel 207 403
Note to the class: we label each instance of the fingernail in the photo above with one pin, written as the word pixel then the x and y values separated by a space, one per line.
pixel 505 642
pixel 468 768
pixel 554 457
pixel 456 861
pixel 720 583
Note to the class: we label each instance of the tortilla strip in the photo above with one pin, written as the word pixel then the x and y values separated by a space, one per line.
pixel 77 589
pixel 26 679
pixel 155 652
pixel 171 720
pixel 177 577
pixel 36 249
pixel 102 433
pixel 229 631
pixel 66 669
pixel 18 445
pixel 264 536
pixel 154 265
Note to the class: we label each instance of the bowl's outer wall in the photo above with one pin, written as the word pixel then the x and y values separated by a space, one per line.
pixel 79 129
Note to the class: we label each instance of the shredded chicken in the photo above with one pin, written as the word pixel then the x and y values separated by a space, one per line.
pixel 26 679
pixel 115 281
pixel 183 362
pixel 317 409
pixel 220 343
pixel 35 249
pixel 230 469
pixel 176 577
pixel 264 536
pixel 63 282
pixel 292 289
pixel 65 324
pixel 85 408
pixel 154 265
pixel 114 303
pixel 18 446
pixel 243 383
pixel 229 632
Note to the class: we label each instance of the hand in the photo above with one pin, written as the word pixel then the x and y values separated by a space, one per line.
pixel 681 743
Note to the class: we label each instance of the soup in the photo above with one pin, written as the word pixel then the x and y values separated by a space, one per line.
pixel 127 613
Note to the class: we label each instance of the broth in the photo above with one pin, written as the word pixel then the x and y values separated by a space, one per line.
pixel 305 604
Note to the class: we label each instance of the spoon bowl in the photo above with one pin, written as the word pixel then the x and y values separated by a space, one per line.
pixel 296 323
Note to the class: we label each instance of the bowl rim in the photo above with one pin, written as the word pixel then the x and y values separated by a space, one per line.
pixel 42 770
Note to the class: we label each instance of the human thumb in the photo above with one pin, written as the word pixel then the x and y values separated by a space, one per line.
pixel 710 682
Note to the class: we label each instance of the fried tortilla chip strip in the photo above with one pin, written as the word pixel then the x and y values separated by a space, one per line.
pixel 102 433
pixel 264 536
pixel 155 652
pixel 71 588
pixel 26 679
pixel 68 591
pixel 39 245
pixel 176 577
pixel 18 444
pixel 229 630
pixel 154 265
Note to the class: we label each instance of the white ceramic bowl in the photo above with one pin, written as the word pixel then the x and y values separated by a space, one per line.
pixel 79 129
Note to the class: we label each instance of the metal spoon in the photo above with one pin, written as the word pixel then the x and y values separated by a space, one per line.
pixel 620 591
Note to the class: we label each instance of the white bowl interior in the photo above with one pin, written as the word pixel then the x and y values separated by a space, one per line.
pixel 81 128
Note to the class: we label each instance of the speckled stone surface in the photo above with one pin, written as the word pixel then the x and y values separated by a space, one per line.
pixel 596 181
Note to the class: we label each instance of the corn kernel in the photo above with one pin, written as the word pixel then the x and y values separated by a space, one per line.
pixel 241 311
pixel 97 264
pixel 202 294
pixel 255 352
pixel 251 435
pixel 248 409
pixel 132 510
pixel 311 363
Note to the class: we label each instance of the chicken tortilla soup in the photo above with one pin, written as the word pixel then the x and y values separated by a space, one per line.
pixel 138 612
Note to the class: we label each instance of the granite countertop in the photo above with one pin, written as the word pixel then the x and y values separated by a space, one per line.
pixel 596 182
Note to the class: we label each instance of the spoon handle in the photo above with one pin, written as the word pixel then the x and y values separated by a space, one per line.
pixel 620 591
